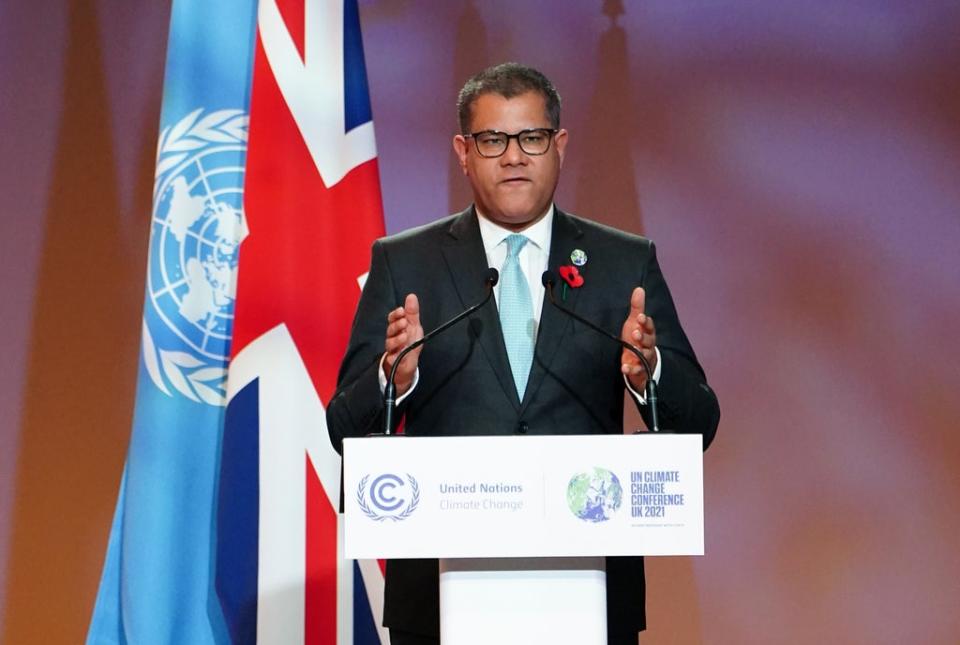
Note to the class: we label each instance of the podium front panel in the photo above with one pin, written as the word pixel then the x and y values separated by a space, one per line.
pixel 523 496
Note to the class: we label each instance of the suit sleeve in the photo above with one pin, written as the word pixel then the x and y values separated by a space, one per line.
pixel 687 403
pixel 356 407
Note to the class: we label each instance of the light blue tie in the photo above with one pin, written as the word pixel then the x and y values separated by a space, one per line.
pixel 516 314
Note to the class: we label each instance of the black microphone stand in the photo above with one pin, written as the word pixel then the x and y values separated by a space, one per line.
pixel 491 277
pixel 651 388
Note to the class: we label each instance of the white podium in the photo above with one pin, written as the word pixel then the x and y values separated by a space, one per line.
pixel 522 525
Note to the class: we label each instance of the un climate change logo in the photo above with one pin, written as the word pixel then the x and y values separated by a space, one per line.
pixel 196 231
pixel 388 498
pixel 595 495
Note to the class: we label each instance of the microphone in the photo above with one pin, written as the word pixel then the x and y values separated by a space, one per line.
pixel 548 279
pixel 490 278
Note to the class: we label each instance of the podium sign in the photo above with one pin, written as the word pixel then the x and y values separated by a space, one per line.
pixel 523 496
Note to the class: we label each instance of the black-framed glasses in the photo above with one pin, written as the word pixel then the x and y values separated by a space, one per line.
pixel 533 141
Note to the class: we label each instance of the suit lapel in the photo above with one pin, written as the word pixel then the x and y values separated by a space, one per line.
pixel 467 262
pixel 554 324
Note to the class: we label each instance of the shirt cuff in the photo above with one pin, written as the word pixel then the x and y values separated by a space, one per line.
pixel 416 378
pixel 640 398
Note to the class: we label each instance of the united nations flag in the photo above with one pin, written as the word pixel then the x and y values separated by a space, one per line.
pixel 157 584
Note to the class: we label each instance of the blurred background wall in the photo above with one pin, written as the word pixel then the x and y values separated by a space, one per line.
pixel 798 165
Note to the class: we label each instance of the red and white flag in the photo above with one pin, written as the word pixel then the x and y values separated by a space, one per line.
pixel 313 208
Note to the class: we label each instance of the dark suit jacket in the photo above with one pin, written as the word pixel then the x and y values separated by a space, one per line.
pixel 465 384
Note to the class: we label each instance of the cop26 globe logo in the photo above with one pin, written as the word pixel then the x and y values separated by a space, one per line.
pixel 595 495
pixel 196 231
pixel 390 497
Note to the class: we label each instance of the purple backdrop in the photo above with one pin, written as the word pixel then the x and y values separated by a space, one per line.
pixel 796 164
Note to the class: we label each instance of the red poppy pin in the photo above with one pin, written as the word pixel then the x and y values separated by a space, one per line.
pixel 571 276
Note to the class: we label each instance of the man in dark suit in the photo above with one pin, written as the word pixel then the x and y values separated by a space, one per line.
pixel 517 366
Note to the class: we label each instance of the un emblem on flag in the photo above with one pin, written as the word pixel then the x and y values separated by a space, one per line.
pixel 196 231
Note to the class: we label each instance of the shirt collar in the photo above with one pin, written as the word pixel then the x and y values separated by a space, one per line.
pixel 493 234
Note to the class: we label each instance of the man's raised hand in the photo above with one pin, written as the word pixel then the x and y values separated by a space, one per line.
pixel 639 331
pixel 403 328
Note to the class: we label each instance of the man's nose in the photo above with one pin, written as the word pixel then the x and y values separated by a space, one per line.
pixel 514 154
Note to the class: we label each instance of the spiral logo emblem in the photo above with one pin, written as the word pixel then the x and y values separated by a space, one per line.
pixel 391 497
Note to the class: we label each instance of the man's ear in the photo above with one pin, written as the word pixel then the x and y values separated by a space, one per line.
pixel 560 140
pixel 460 147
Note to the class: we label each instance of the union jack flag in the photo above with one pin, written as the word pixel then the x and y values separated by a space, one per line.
pixel 313 208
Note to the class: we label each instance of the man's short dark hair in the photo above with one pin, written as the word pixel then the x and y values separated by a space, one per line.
pixel 508 80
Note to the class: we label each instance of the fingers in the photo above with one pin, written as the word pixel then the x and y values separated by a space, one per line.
pixel 633 370
pixel 394 344
pixel 396 337
pixel 411 307
pixel 403 328
pixel 403 325
pixel 630 365
pixel 396 323
pixel 637 301
pixel 639 331
pixel 644 335
pixel 638 328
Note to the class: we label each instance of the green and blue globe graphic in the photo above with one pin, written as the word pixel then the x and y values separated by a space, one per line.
pixel 595 495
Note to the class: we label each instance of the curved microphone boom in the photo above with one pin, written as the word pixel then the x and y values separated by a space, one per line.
pixel 490 278
pixel 548 280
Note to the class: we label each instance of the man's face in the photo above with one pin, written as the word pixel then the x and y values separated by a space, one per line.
pixel 515 189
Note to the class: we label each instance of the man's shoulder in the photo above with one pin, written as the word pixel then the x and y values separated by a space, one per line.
pixel 603 232
pixel 429 233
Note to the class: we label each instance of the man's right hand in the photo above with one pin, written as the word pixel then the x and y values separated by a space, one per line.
pixel 403 328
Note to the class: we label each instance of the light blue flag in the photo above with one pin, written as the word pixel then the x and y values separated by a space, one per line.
pixel 157 583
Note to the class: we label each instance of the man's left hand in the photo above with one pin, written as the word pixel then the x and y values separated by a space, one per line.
pixel 639 331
